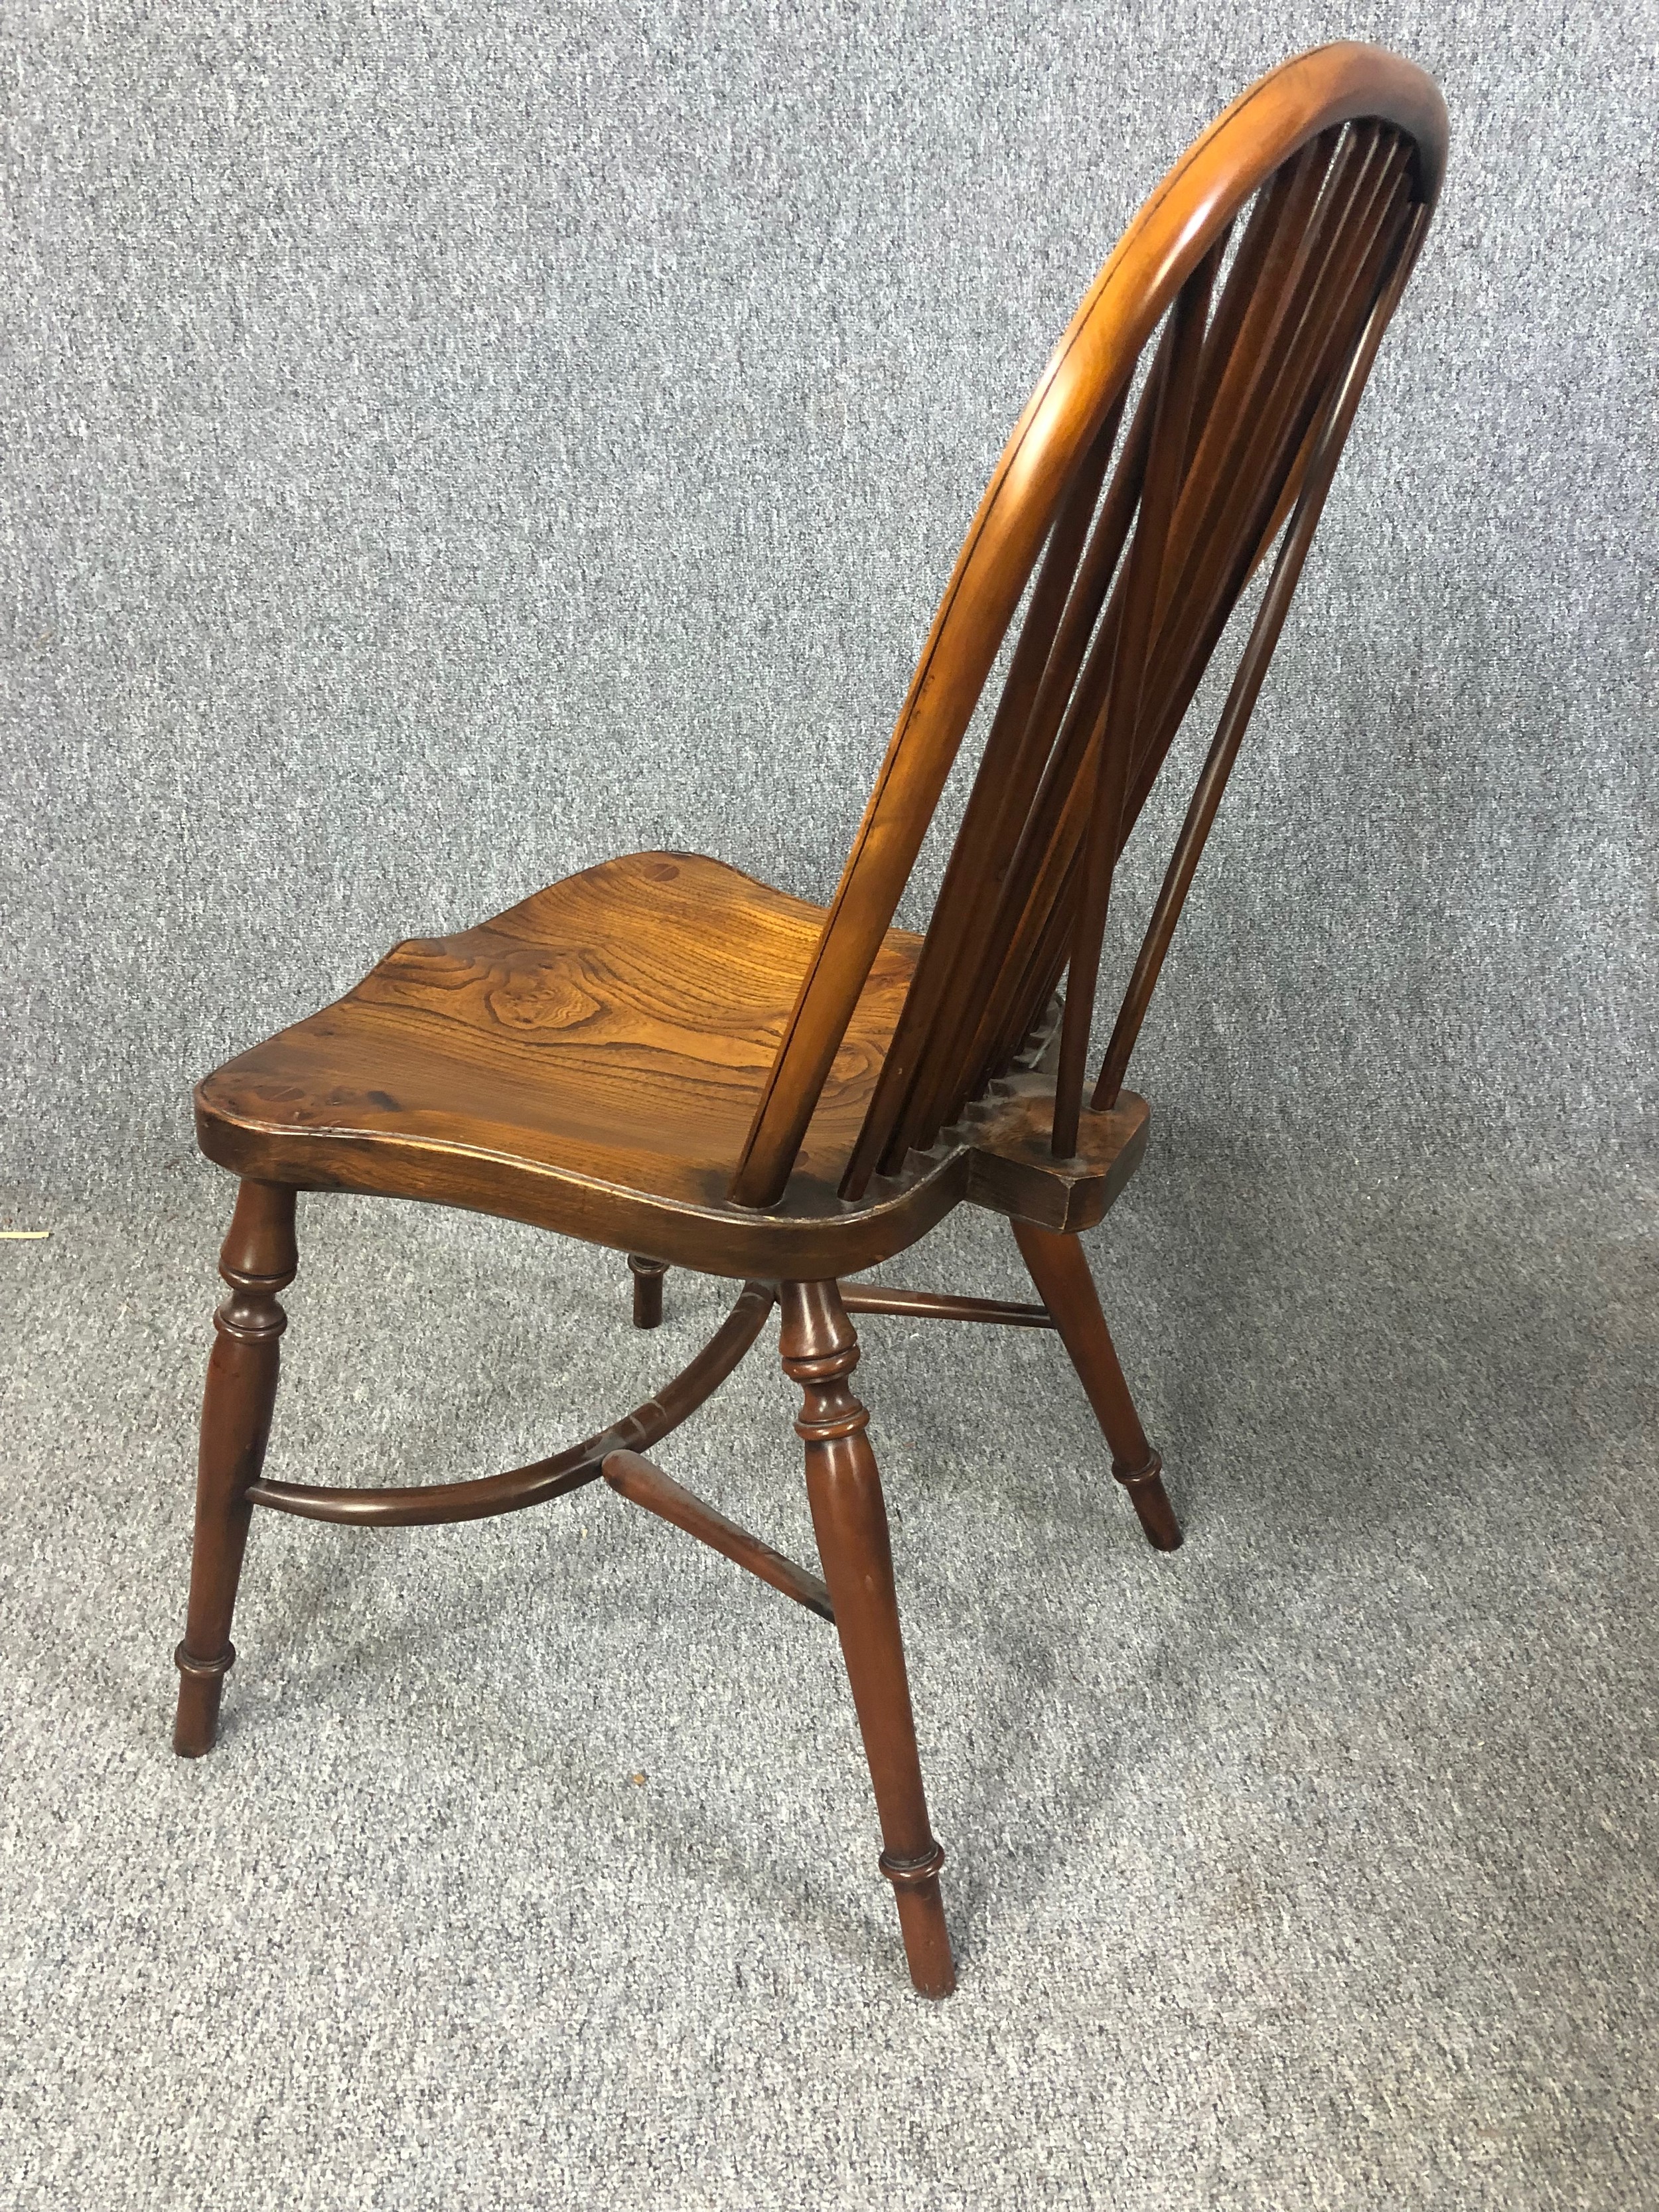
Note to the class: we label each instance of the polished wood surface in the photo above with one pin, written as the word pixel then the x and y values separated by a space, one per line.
pixel 666 1057
pixel 1305 101
pixel 648 1290
pixel 820 1349
pixel 1061 1274
pixel 643 1483
pixel 942 1305
pixel 588 1061
pixel 258 1259
pixel 1013 1169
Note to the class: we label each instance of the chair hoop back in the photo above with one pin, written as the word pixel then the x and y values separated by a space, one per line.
pixel 1147 480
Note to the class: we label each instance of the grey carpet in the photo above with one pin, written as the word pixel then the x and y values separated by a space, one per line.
pixel 1310 1867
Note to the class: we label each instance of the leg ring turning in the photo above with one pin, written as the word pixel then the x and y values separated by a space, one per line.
pixel 1144 1485
pixel 912 1874
pixel 201 1685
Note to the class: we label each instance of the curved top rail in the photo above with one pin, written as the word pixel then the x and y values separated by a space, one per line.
pixel 1085 377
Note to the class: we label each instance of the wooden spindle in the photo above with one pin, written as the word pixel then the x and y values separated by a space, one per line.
pixel 963 912
pixel 1074 685
pixel 1193 626
pixel 1248 680
pixel 1162 487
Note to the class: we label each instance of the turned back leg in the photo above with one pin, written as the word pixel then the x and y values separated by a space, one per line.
pixel 1060 1271
pixel 849 1518
pixel 258 1259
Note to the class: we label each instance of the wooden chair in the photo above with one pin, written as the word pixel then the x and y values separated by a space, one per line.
pixel 663 1056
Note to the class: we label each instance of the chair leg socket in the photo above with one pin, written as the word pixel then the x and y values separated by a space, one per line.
pixel 1151 1501
pixel 201 1685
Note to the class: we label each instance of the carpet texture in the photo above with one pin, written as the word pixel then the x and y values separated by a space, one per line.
pixel 1311 1866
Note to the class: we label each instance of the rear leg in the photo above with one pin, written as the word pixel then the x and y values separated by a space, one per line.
pixel 1060 1272
pixel 647 1289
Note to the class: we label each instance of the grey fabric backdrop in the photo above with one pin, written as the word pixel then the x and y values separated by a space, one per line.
pixel 445 446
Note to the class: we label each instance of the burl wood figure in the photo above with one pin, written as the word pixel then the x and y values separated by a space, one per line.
pixel 663 1056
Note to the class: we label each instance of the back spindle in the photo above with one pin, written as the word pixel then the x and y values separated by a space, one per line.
pixel 1190 422
pixel 1114 738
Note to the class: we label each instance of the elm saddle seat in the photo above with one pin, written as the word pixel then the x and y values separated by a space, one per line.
pixel 601 1047
pixel 663 1056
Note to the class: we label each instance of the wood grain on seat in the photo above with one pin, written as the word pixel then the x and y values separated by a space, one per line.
pixel 614 1030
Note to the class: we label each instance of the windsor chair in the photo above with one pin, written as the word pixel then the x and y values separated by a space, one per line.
pixel 664 1057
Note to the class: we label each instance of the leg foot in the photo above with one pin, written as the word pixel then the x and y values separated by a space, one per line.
pixel 647 1289
pixel 1060 1272
pixel 921 1921
pixel 258 1259
pixel 201 1685
pixel 1144 1485
pixel 849 1517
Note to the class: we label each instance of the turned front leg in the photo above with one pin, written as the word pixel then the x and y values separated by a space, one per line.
pixel 258 1259
pixel 849 1517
